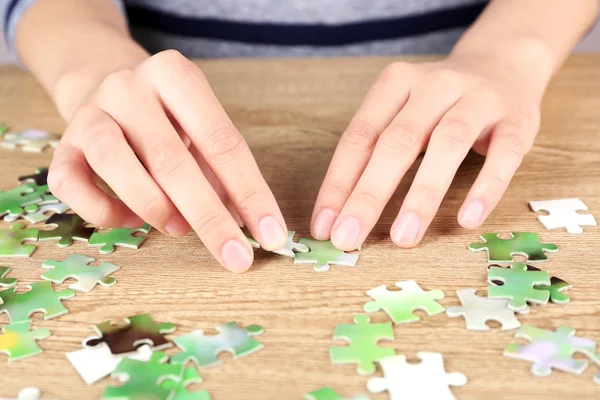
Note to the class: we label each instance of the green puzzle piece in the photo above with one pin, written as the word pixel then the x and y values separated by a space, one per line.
pixel 518 286
pixel 330 394
pixel 323 254
pixel 363 349
pixel 19 342
pixel 40 298
pixel 6 282
pixel 521 243
pixel 203 350
pixel 556 289
pixel 11 241
pixel 178 389
pixel 69 227
pixel 118 237
pixel 3 128
pixel 76 266
pixel 13 201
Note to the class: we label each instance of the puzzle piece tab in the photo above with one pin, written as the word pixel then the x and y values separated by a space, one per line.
pixel 477 311
pixel 6 282
pixel 122 237
pixel 363 349
pixel 31 140
pixel 69 227
pixel 425 380
pixel 563 214
pixel 518 285
pixel 291 248
pixel 19 342
pixel 323 254
pixel 549 349
pixel 35 213
pixel 400 305
pixel 330 394
pixel 75 266
pixel 40 298
pixel 203 350
pixel 179 390
pixel 521 243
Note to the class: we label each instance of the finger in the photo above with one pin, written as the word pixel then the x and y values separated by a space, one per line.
pixel 510 140
pixel 383 101
pixel 109 154
pixel 397 148
pixel 184 90
pixel 449 144
pixel 174 169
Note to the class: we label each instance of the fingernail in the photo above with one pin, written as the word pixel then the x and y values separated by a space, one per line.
pixel 177 226
pixel 470 215
pixel 236 256
pixel 132 222
pixel 345 236
pixel 272 236
pixel 406 230
pixel 323 224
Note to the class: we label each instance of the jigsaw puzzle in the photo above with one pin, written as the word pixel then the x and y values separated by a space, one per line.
pixel 203 350
pixel 477 311
pixel 549 349
pixel 41 297
pixel 518 285
pixel 323 254
pixel 69 227
pixel 557 287
pixel 123 237
pixel 18 342
pixel 425 380
pixel 330 394
pixel 563 214
pixel 35 214
pixel 28 394
pixel 178 388
pixel 140 330
pixel 291 248
pixel 75 266
pixel 4 281
pixel 521 243
pixel 31 140
pixel 363 349
pixel 401 304
pixel 13 202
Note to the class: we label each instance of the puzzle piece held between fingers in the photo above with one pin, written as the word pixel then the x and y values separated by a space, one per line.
pixel 477 311
pixel 518 285
pixel 520 243
pixel 19 342
pixel 40 298
pixel 123 237
pixel 69 227
pixel 31 140
pixel 326 393
pixel 291 248
pixel 76 266
pixel 323 254
pixel 563 214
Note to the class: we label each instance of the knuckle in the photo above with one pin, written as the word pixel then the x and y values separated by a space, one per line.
pixel 116 81
pixel 99 146
pixel 361 137
pixel 164 159
pixel 248 198
pixel 455 131
pixel 210 221
pixel 156 211
pixel 371 196
pixel 515 144
pixel 338 186
pixel 394 70
pixel 425 192
pixel 224 141
pixel 168 60
pixel 402 137
pixel 446 76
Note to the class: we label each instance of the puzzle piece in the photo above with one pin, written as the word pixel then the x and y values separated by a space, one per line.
pixel 27 394
pixel 13 201
pixel 291 247
pixel 178 389
pixel 518 286
pixel 40 178
pixel 76 266
pixel 140 330
pixel 11 241
pixel 118 237
pixel 31 140
pixel 330 394
pixel 253 242
pixel 549 349
pixel 40 298
pixel 203 350
pixel 323 254
pixel 35 214
pixel 563 214
pixel 477 311
pixel 363 348
pixel 425 380
pixel 556 289
pixel 400 305
pixel 69 227
pixel 6 282
pixel 18 342
pixel 3 128
pixel 521 243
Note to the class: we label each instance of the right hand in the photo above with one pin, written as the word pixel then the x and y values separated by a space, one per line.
pixel 158 136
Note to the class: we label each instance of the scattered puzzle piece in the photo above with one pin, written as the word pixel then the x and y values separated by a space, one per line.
pixel 549 349
pixel 363 348
pixel 330 394
pixel 477 311
pixel 40 298
pixel 76 266
pixel 425 380
pixel 6 282
pixel 291 248
pixel 13 201
pixel 563 214
pixel 69 227
pixel 38 213
pixel 118 237
pixel 178 389
pixel 19 342
pixel 203 350
pixel 31 140
pixel 518 286
pixel 40 178
pixel 11 241
pixel 400 305
pixel 556 289
pixel 323 254
pixel 140 330
pixel 521 243
pixel 28 394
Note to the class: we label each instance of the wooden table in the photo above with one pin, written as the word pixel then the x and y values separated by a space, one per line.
pixel 292 113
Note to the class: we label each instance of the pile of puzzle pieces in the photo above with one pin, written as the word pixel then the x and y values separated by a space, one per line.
pixel 31 140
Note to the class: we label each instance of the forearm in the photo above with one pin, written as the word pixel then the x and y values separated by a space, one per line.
pixel 71 45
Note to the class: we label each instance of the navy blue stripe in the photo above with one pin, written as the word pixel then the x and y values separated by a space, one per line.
pixel 9 10
pixel 305 34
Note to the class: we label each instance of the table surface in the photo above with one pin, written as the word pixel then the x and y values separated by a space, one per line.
pixel 292 113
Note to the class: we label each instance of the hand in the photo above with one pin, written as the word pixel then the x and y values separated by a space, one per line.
pixel 446 107
pixel 159 138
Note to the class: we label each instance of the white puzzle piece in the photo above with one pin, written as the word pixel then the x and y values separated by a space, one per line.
pixel 37 213
pixel 479 310
pixel 32 140
pixel 27 394
pixel 291 247
pixel 563 214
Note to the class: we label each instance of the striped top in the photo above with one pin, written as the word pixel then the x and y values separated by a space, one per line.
pixel 273 28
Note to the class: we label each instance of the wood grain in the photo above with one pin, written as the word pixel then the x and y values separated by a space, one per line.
pixel 292 113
